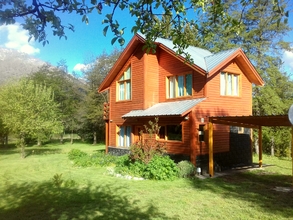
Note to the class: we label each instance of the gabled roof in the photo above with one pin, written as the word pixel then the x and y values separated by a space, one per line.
pixel 177 108
pixel 205 62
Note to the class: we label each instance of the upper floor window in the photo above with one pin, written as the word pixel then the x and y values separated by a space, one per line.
pixel 124 139
pixel 179 86
pixel 124 85
pixel 229 84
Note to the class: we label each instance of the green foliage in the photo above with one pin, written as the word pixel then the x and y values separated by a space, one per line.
pixel 151 18
pixel 146 148
pixel 158 168
pixel 186 169
pixel 29 109
pixel 161 168
pixel 90 110
pixel 82 159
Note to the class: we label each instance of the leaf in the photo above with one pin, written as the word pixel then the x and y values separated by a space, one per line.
pixel 105 30
pixel 113 40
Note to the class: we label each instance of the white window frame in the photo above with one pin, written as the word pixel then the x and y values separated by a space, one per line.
pixel 124 86
pixel 229 84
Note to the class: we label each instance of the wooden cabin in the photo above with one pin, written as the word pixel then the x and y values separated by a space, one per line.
pixel 183 96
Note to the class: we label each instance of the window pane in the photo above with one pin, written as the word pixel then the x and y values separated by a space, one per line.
pixel 121 91
pixel 229 84
pixel 223 84
pixel 122 78
pixel 128 90
pixel 174 132
pixel 162 132
pixel 235 85
pixel 121 136
pixel 128 136
pixel 189 84
pixel 127 73
pixel 172 87
pixel 180 85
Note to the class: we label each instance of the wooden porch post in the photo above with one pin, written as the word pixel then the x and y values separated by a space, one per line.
pixel 107 135
pixel 260 146
pixel 292 151
pixel 211 153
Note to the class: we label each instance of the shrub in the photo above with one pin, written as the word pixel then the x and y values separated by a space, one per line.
pixel 161 168
pixel 83 159
pixel 186 169
pixel 145 149
pixel 75 154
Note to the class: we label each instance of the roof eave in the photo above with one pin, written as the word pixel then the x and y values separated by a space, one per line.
pixel 239 56
pixel 127 52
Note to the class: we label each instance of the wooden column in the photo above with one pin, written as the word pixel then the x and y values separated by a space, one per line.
pixel 211 150
pixel 260 146
pixel 107 135
pixel 292 151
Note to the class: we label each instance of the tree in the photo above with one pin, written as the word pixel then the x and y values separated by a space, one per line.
pixel 149 16
pixel 68 92
pixel 91 111
pixel 29 109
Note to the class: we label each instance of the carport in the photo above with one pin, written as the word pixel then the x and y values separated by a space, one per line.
pixel 256 122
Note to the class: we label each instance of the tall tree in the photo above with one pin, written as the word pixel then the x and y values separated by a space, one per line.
pixel 148 16
pixel 29 109
pixel 92 109
pixel 67 90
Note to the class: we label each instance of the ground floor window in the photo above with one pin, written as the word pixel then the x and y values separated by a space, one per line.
pixel 171 132
pixel 124 136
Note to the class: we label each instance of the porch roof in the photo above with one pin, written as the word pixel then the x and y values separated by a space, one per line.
pixel 178 108
pixel 253 121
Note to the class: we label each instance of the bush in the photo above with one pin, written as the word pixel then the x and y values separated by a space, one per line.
pixel 145 149
pixel 161 168
pixel 82 159
pixel 75 154
pixel 186 169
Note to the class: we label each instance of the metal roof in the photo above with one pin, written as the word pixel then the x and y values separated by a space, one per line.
pixel 215 59
pixel 197 54
pixel 201 57
pixel 178 108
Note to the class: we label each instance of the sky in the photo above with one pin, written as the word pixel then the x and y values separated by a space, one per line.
pixel 86 42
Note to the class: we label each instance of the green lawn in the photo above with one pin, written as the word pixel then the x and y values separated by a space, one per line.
pixel 27 191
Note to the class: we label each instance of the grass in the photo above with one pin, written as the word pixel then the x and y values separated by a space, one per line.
pixel 28 190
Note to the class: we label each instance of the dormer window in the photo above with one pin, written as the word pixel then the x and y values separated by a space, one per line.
pixel 229 84
pixel 124 85
pixel 179 86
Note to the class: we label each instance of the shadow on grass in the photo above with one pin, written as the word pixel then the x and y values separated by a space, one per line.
pixel 257 188
pixel 44 201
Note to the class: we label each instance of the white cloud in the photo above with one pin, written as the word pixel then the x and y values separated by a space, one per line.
pixel 79 67
pixel 17 38
pixel 288 60
pixel 82 67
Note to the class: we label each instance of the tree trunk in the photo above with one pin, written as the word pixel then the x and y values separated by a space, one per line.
pixel 71 137
pixel 6 140
pixel 61 138
pixel 272 147
pixel 95 138
pixel 256 145
pixel 22 147
pixel 39 142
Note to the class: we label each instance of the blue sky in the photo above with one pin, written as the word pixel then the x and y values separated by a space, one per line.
pixel 86 43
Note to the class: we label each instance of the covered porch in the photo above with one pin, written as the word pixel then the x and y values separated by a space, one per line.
pixel 256 122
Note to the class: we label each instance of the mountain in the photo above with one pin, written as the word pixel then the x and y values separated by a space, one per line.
pixel 15 65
